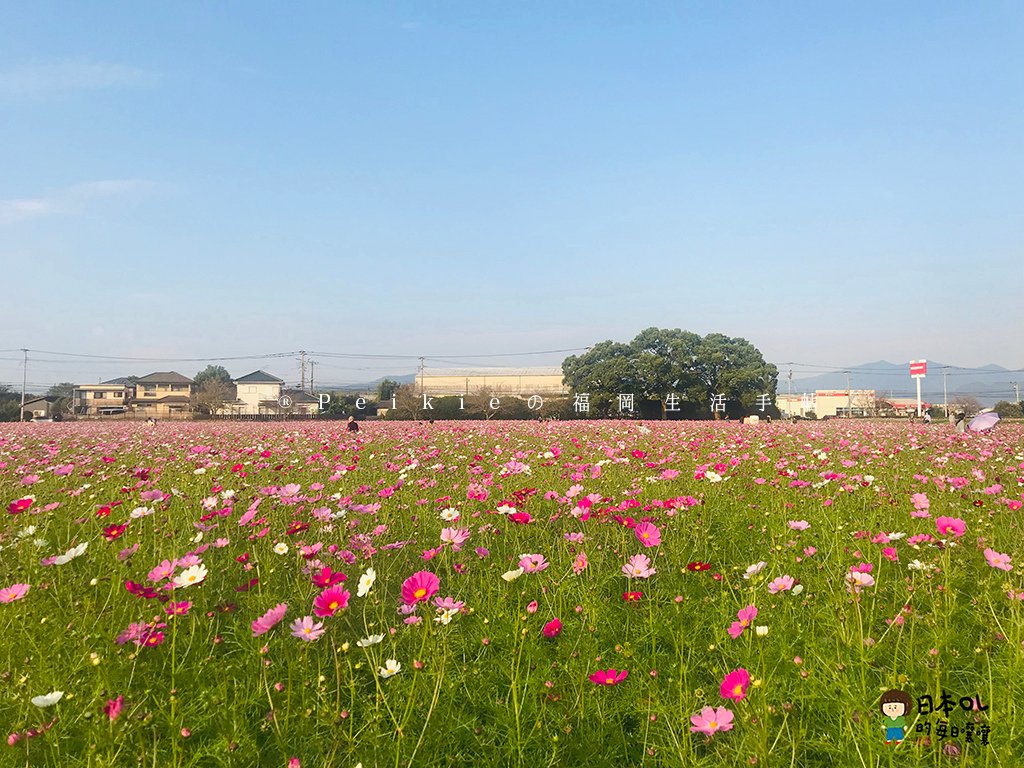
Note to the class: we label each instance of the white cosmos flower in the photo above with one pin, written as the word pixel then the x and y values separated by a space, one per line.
pixel 449 514
pixel 71 554
pixel 512 575
pixel 796 590
pixel 366 582
pixel 761 630
pixel 191 575
pixel 281 548
pixel 366 642
pixel 446 616
pixel 138 512
pixel 48 700
pixel 505 509
pixel 391 667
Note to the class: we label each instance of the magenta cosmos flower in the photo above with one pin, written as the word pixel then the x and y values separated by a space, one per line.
pixel 710 720
pixel 648 534
pixel 266 622
pixel 950 526
pixel 995 559
pixel 420 586
pixel 553 628
pixel 638 567
pixel 735 685
pixel 331 601
pixel 608 676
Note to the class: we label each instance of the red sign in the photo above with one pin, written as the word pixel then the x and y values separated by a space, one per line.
pixel 918 367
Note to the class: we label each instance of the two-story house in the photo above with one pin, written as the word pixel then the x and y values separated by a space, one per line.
pixel 163 395
pixel 108 398
pixel 257 393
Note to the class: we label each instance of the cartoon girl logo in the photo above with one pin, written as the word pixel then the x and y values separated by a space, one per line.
pixel 894 705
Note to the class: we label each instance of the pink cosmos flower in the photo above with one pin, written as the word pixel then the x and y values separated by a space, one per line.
pixel 306 629
pixel 331 601
pixel 951 526
pixel 163 571
pixel 454 536
pixel 325 577
pixel 711 720
pixel 638 567
pixel 648 534
pixel 533 563
pixel 553 628
pixel 745 616
pixel 889 553
pixel 735 684
pixel 179 608
pixel 799 525
pixel 580 563
pixel 858 580
pixel 420 586
pixel 266 622
pixel 112 708
pixel 781 584
pixel 998 560
pixel 608 676
pixel 13 592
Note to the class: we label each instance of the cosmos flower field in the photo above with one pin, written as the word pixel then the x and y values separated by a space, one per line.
pixel 509 594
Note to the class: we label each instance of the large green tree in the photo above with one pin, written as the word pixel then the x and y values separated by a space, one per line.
pixel 662 362
pixel 216 373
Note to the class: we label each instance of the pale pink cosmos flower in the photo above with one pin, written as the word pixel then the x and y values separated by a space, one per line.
pixel 533 563
pixel 998 560
pixel 710 720
pixel 454 536
pixel 639 567
pixel 858 580
pixel 745 616
pixel 781 584
pixel 306 629
pixel 266 622
pixel 799 525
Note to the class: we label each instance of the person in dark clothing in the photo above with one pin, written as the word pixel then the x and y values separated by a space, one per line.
pixel 353 425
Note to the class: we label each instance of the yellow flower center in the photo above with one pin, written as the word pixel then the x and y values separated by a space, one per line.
pixel 713 725
pixel 737 691
pixel 609 680
pixel 421 592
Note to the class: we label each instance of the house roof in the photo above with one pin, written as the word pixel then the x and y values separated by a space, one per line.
pixel 298 396
pixel 47 399
pixel 120 381
pixel 259 377
pixel 165 377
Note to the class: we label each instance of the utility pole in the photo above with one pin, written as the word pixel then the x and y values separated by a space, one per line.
pixel 945 402
pixel 312 364
pixel 790 377
pixel 302 370
pixel 24 379
pixel 422 380
pixel 849 397
pixel 1016 392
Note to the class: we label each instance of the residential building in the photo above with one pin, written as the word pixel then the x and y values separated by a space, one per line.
pixel 42 407
pixel 108 398
pixel 828 403
pixel 545 381
pixel 163 395
pixel 256 393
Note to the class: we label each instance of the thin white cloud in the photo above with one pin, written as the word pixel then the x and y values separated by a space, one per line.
pixel 39 79
pixel 69 199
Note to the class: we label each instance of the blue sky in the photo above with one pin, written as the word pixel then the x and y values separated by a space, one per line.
pixel 837 183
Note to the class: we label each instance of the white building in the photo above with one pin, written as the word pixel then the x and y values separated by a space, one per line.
pixel 256 393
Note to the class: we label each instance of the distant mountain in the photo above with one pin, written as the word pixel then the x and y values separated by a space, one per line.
pixel 989 383
pixel 371 386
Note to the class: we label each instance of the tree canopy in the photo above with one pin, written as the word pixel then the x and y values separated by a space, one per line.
pixel 661 362
pixel 213 373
